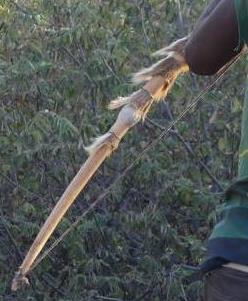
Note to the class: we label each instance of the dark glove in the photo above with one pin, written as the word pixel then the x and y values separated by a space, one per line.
pixel 215 38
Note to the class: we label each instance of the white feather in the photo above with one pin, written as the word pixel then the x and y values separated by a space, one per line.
pixel 118 102
pixel 98 143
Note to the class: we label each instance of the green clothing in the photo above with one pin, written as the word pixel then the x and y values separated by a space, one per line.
pixel 229 239
pixel 241 7
pixel 234 221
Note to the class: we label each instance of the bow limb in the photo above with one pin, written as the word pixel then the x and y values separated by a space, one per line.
pixel 160 77
pixel 127 118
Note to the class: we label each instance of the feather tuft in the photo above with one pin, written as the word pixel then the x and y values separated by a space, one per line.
pixel 141 76
pixel 160 68
pixel 97 144
pixel 118 103
pixel 172 59
pixel 176 46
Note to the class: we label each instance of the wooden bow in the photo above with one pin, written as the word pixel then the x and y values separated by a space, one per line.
pixel 159 79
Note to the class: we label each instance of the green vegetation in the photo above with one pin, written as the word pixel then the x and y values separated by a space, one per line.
pixel 60 63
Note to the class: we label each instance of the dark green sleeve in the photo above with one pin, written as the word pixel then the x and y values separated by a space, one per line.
pixel 241 7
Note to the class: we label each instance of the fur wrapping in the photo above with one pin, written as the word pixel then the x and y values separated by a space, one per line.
pixel 169 67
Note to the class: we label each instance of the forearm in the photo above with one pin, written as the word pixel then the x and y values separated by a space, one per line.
pixel 214 40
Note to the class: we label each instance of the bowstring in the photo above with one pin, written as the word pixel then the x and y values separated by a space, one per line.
pixel 197 100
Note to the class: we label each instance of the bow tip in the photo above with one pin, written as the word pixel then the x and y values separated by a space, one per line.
pixel 19 281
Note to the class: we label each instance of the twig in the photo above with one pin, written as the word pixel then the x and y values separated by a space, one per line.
pixel 106 63
pixel 108 298
pixel 76 60
pixel 147 39
pixel 71 56
pixel 180 16
pixel 22 188
pixel 52 285
pixel 24 10
pixel 18 252
pixel 184 294
pixel 175 132
pixel 147 292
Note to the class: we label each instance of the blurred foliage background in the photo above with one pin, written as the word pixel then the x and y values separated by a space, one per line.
pixel 60 64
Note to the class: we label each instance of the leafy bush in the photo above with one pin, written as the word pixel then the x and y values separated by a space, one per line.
pixel 60 64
